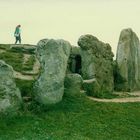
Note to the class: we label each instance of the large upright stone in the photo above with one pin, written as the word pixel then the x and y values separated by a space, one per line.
pixel 127 77
pixel 53 56
pixel 97 65
pixel 10 97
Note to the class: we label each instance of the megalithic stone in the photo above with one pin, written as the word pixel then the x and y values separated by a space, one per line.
pixel 53 56
pixel 128 62
pixel 10 97
pixel 97 65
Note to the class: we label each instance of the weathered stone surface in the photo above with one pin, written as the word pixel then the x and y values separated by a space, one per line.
pixel 73 83
pixel 10 97
pixel 127 77
pixel 97 63
pixel 53 56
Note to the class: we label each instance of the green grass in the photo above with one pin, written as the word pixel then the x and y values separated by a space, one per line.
pixel 75 118
pixel 16 61
pixel 25 86
pixel 113 96
pixel 21 49
pixel 104 95
pixel 13 59
pixel 4 46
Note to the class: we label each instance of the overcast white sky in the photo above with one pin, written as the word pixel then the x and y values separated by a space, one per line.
pixel 68 19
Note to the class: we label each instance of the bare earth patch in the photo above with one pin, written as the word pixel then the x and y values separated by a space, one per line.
pixel 26 57
pixel 1 50
pixel 18 75
pixel 30 75
pixel 120 100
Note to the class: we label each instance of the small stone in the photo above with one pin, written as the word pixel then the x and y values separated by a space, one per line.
pixel 73 83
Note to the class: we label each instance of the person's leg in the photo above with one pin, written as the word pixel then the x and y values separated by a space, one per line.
pixel 19 39
pixel 16 40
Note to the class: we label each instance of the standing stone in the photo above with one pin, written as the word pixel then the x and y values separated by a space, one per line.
pixel 127 76
pixel 97 65
pixel 10 97
pixel 53 56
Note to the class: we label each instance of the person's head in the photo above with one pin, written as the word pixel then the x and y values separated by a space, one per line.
pixel 19 26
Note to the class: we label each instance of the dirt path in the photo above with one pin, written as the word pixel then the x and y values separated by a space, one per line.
pixel 30 75
pixel 1 51
pixel 120 100
pixel 26 58
pixel 36 66
pixel 24 77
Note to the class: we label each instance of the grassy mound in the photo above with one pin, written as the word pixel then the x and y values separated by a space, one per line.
pixel 75 118
pixel 13 59
pixel 16 60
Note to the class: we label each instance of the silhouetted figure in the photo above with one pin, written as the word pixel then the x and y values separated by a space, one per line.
pixel 17 34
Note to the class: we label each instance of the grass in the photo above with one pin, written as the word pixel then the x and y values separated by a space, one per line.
pixel 113 95
pixel 105 95
pixel 75 118
pixel 25 86
pixel 21 49
pixel 4 46
pixel 16 61
pixel 13 59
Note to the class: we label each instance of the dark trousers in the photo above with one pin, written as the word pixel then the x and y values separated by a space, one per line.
pixel 18 38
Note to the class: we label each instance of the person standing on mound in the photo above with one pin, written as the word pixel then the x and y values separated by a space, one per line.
pixel 17 34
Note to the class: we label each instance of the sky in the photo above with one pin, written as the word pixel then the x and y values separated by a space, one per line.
pixel 68 19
